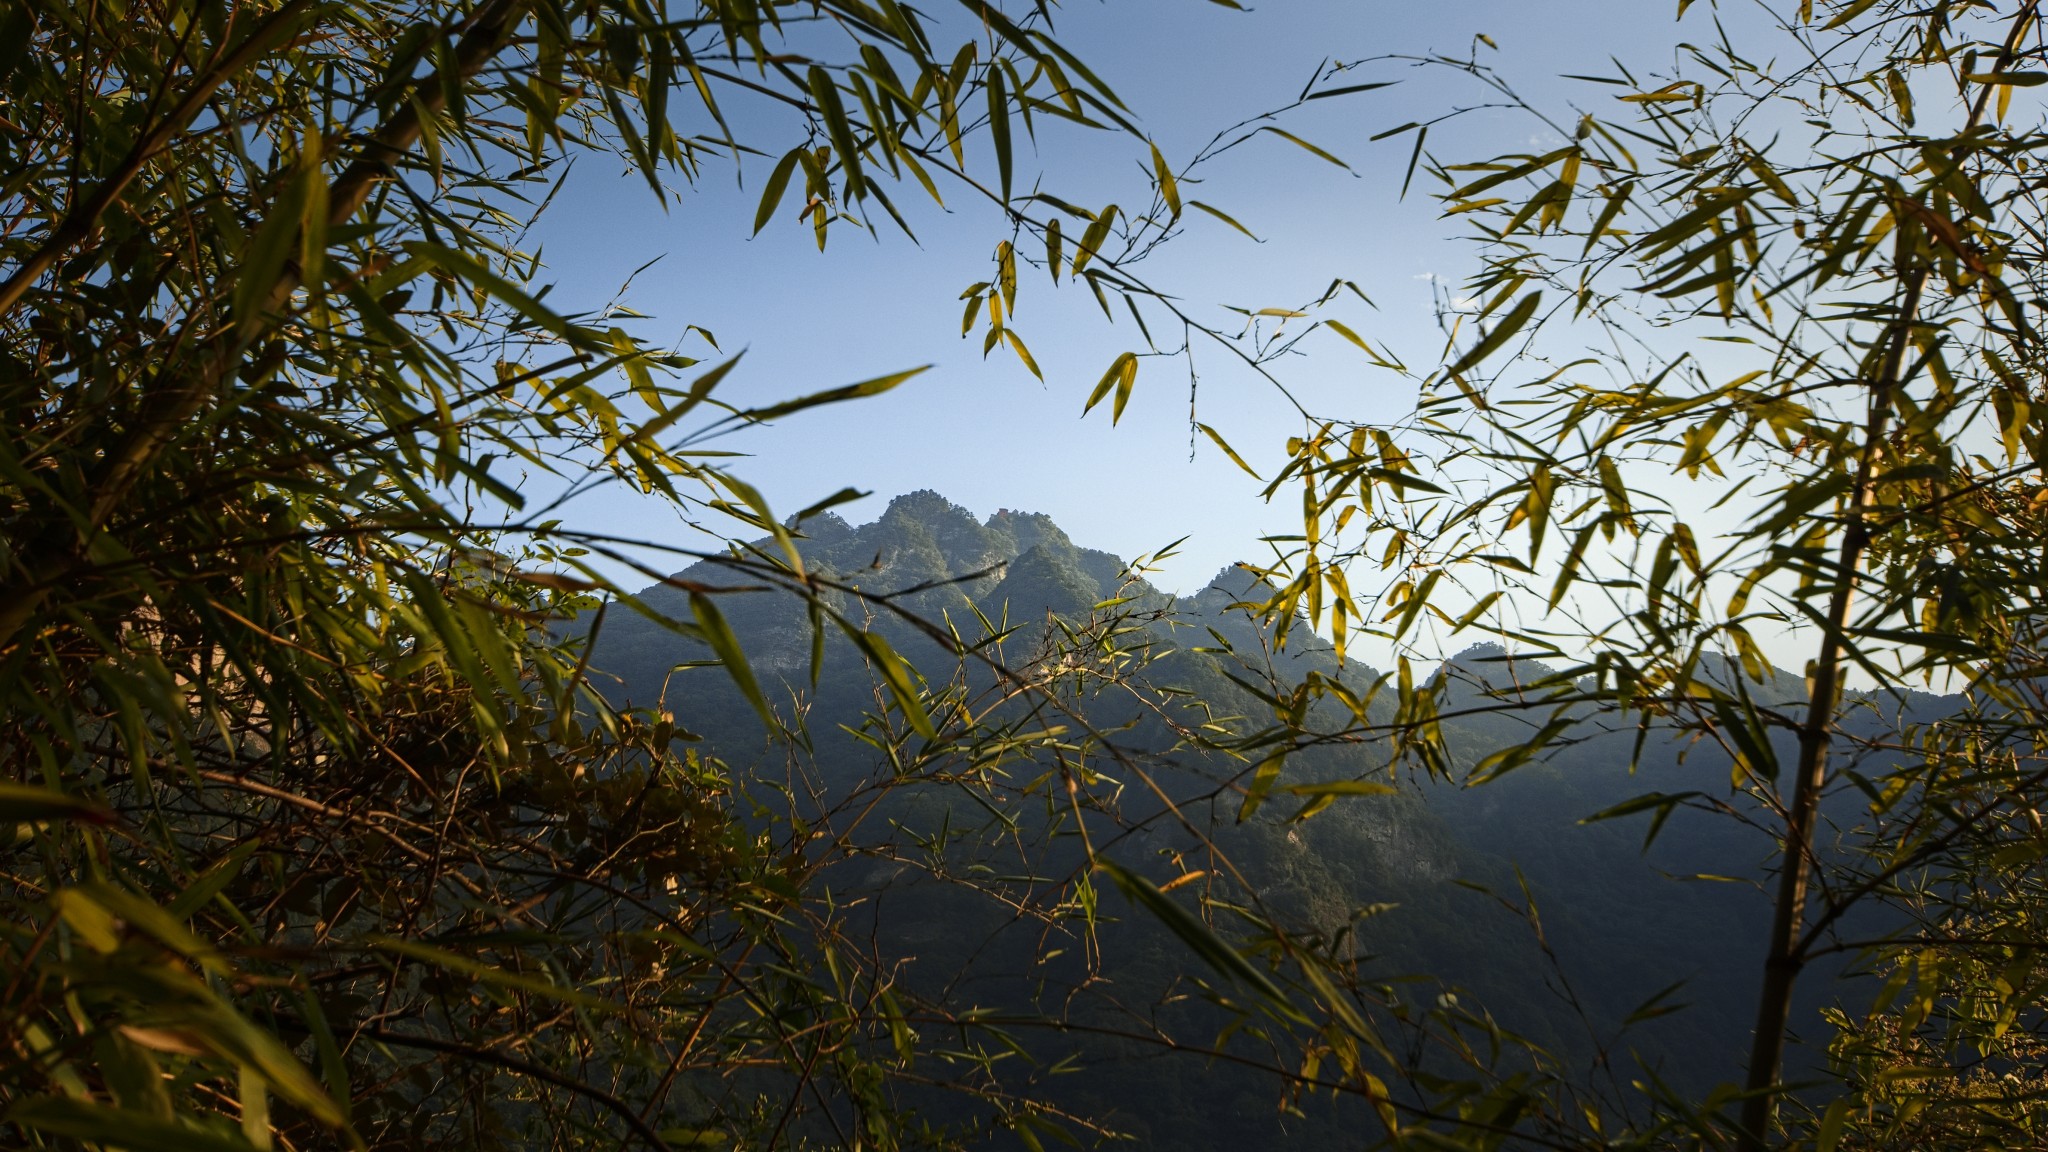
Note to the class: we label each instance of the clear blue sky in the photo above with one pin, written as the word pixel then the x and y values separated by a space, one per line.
pixel 986 434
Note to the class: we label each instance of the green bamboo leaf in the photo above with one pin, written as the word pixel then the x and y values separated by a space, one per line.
pixel 843 496
pixel 771 194
pixel 134 1077
pixel 333 1065
pixel 952 83
pixel 1661 804
pixel 1264 777
pixel 1828 1137
pixel 726 647
pixel 1512 172
pixel 1199 937
pixel 1075 66
pixel 1006 275
pixel 1124 386
pixel 276 241
pixel 1569 570
pixel 662 422
pixel 1856 8
pixel 1414 157
pixel 1501 334
pixel 764 517
pixel 1406 481
pixel 897 676
pixel 1348 89
pixel 1477 610
pixel 1674 93
pixel 89 919
pixel 504 291
pixel 839 128
pixel 1319 796
pixel 1341 329
pixel 28 804
pixel 999 127
pixel 1902 94
pixel 489 973
pixel 2009 79
pixel 1092 239
pixel 1655 1006
pixel 152 920
pixel 120 1127
pixel 1618 199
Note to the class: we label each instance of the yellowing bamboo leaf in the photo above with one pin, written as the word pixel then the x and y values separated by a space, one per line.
pixel 1016 344
pixel 1217 437
pixel 1303 144
pixel 1120 369
pixel 1220 215
pixel 874 387
pixel 1168 187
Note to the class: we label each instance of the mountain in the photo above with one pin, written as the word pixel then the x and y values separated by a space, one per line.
pixel 1432 879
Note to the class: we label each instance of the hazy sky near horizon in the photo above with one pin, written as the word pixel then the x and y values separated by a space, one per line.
pixel 985 433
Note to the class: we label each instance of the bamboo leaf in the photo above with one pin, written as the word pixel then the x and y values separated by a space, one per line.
pixel 1348 89
pixel 1121 368
pixel 1227 219
pixel 1500 335
pixel 999 127
pixel 1093 239
pixel 120 1127
pixel 874 387
pixel 1304 145
pixel 897 675
pixel 771 193
pixel 1168 187
pixel 839 128
pixel 488 973
pixel 1200 938
pixel 1264 777
pixel 730 655
pixel 1217 438
pixel 28 804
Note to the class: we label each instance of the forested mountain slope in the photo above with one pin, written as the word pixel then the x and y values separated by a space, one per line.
pixel 1430 878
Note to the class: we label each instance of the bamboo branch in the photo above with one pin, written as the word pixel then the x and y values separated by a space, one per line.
pixel 1783 958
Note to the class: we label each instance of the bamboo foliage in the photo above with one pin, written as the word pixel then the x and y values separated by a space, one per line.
pixel 317 832
pixel 1751 374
